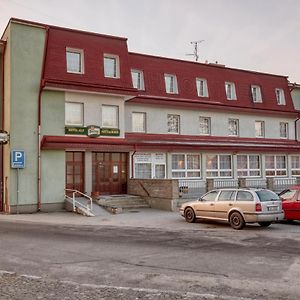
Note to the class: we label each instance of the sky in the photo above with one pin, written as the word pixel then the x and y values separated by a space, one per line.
pixel 258 35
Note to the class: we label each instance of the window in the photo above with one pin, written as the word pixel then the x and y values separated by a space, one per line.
pixel 74 114
pixel 259 128
pixel 74 61
pixel 204 125
pixel 110 116
pixel 280 96
pixel 244 196
pixel 210 196
pixel 137 79
pixel 276 165
pixel 226 196
pixel 171 84
pixel 284 130
pixel 218 166
pixel 256 93
pixel 186 165
pixel 202 87
pixel 111 66
pixel 295 168
pixel 233 127
pixel 139 122
pixel 173 123
pixel 149 165
pixel 248 165
pixel 230 91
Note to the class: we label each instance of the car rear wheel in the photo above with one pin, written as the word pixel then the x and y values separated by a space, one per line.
pixel 264 224
pixel 236 221
pixel 189 215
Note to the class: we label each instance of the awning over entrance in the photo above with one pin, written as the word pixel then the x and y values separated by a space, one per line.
pixel 166 142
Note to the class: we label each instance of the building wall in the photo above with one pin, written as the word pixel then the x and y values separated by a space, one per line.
pixel 92 107
pixel 189 121
pixel 26 57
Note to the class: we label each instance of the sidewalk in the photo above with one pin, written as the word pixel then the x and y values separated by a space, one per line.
pixel 145 217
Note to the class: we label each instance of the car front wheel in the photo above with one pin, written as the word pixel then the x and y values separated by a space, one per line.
pixel 264 224
pixel 236 221
pixel 189 215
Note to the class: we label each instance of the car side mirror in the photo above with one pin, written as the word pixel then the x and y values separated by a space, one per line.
pixel 200 199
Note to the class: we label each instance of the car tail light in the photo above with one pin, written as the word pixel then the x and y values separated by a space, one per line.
pixel 258 207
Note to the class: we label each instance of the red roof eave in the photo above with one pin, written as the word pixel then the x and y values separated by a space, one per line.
pixel 161 142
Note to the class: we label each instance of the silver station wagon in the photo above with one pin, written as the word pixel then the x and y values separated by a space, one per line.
pixel 236 206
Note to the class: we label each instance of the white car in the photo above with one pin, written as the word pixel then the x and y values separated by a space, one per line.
pixel 236 206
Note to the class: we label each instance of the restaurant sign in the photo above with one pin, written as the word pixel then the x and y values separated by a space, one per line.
pixel 92 131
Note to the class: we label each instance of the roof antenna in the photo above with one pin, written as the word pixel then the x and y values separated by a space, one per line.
pixel 195 54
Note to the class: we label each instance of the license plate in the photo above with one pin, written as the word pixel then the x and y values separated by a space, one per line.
pixel 272 208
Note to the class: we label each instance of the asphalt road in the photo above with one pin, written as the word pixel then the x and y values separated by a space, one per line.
pixel 39 261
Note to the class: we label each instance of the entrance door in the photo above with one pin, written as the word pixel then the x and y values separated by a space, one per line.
pixel 109 173
pixel 75 171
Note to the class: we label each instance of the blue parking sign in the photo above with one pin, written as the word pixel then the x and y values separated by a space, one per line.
pixel 18 159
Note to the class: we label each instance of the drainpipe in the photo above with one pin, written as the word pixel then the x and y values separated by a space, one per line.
pixel 42 83
pixel 4 208
pixel 296 130
pixel 132 165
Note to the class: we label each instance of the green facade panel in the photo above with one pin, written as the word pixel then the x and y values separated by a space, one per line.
pixel 27 51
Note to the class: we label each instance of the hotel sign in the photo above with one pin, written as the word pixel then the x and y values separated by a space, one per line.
pixel 92 131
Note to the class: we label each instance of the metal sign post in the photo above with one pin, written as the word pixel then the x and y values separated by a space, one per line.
pixel 18 162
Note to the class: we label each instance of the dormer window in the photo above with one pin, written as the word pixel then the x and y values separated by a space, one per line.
pixel 280 96
pixel 202 90
pixel 137 79
pixel 74 59
pixel 256 94
pixel 230 91
pixel 171 84
pixel 111 66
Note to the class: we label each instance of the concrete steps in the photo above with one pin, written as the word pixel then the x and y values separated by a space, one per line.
pixel 122 202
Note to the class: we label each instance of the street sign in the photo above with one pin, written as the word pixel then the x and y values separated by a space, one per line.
pixel 18 159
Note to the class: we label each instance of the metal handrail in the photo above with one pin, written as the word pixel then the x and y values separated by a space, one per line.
pixel 89 207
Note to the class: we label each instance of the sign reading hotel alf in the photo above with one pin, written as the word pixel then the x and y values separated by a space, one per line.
pixel 76 130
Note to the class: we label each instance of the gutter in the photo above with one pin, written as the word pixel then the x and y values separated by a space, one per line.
pixel 3 208
pixel 42 83
pixel 296 130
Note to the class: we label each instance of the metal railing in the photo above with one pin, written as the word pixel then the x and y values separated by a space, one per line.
pixel 76 203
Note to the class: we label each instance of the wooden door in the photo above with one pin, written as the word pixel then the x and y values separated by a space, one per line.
pixel 75 171
pixel 109 173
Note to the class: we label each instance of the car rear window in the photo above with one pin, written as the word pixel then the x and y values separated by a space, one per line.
pixel 267 196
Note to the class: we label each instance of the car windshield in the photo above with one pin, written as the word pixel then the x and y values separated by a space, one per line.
pixel 267 196
pixel 288 194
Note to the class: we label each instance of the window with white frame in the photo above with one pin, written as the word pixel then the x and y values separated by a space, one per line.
pixel 204 125
pixel 256 93
pixel 230 91
pixel 186 165
pixel 173 123
pixel 248 165
pixel 110 116
pixel 219 166
pixel 137 79
pixel 202 90
pixel 75 61
pixel 284 130
pixel 259 129
pixel 233 127
pixel 171 84
pixel 149 165
pixel 111 66
pixel 295 165
pixel 74 114
pixel 275 165
pixel 139 122
pixel 280 96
